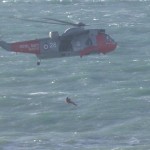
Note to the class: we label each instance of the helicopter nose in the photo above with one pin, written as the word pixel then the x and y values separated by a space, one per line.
pixel 106 43
pixel 112 46
pixel 108 47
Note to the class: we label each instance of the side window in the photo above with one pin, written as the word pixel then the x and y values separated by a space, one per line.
pixel 108 39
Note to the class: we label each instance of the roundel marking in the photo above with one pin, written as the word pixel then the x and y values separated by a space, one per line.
pixel 45 46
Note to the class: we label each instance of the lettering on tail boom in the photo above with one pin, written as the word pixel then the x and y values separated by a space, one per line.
pixel 26 47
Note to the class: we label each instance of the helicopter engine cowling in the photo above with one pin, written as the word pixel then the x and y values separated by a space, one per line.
pixel 54 35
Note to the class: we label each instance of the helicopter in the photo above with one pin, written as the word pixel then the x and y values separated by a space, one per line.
pixel 75 41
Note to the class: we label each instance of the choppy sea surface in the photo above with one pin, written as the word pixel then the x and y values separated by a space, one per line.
pixel 112 91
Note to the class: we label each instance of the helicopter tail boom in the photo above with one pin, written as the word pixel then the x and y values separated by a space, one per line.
pixel 32 47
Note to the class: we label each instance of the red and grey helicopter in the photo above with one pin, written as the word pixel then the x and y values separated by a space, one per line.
pixel 75 41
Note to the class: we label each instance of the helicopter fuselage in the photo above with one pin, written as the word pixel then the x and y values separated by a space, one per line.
pixel 73 42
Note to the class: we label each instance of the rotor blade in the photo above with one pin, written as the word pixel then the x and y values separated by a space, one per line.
pixel 66 22
pixel 61 21
pixel 55 21
pixel 40 21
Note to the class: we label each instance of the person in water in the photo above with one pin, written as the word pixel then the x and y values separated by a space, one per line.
pixel 69 101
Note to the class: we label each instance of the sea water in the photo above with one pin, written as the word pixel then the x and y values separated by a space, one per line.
pixel 112 91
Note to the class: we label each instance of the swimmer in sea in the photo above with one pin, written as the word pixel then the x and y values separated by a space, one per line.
pixel 69 101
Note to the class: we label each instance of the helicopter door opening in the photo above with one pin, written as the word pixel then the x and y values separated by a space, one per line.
pixel 65 45
pixel 88 42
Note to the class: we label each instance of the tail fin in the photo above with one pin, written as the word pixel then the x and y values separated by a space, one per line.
pixel 5 45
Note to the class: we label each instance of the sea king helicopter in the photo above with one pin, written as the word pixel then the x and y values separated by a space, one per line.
pixel 75 41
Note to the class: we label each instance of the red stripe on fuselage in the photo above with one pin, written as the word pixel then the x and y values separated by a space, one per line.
pixel 26 47
pixel 88 50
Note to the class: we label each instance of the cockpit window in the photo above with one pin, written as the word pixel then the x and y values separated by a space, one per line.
pixel 109 39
